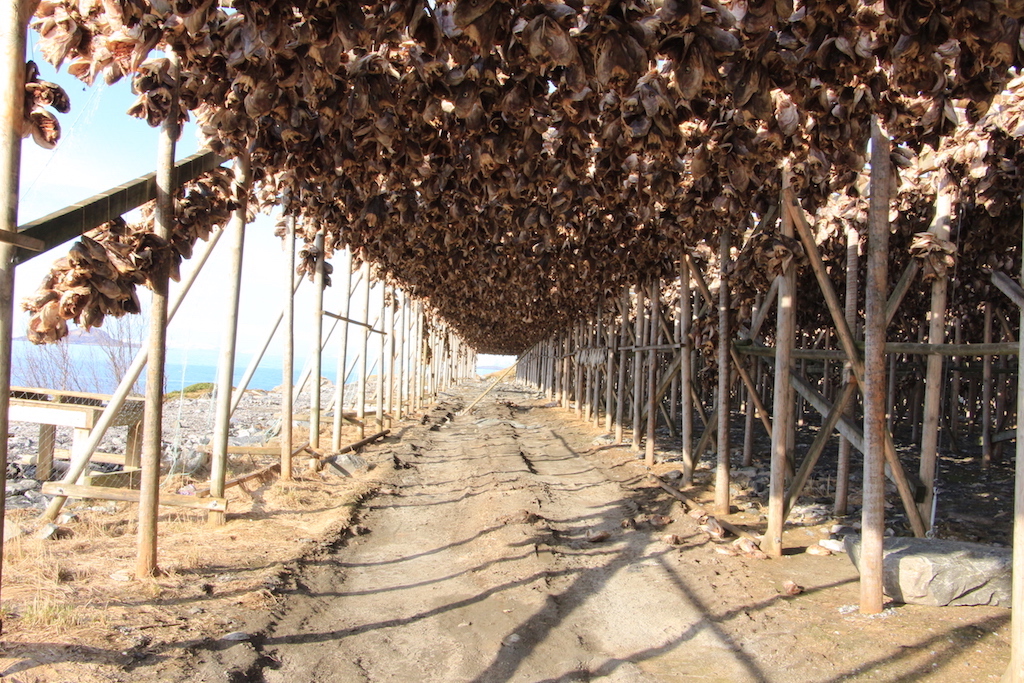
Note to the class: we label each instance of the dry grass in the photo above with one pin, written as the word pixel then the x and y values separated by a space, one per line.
pixel 79 590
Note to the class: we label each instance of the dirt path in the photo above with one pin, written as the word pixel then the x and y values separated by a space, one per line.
pixel 502 551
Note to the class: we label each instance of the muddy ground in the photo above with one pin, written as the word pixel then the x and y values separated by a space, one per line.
pixel 497 546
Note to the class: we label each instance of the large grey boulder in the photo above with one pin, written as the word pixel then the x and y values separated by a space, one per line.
pixel 922 571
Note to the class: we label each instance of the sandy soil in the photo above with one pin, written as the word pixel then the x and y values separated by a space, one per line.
pixel 499 546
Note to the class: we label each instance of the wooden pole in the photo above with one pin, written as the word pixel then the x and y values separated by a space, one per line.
pixel 577 359
pixel 12 99
pixel 638 369
pixel 402 304
pixel 152 436
pixel 954 389
pixel 318 341
pixel 933 370
pixel 724 385
pixel 596 375
pixel 873 511
pixel 986 393
pixel 620 387
pixel 609 375
pixel 852 279
pixel 1015 671
pixel 345 284
pixel 686 373
pixel 226 366
pixel 782 403
pixel 381 363
pixel 288 362
pixel 363 343
pixel 654 328
pixel 389 366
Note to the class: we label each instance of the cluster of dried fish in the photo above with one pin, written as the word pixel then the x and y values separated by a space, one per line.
pixel 39 122
pixel 100 274
pixel 522 159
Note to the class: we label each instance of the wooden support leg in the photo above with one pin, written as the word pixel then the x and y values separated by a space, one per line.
pixel 652 369
pixel 933 371
pixel 722 497
pixel 638 370
pixel 288 361
pixel 133 444
pixel 685 373
pixel 620 388
pixel 986 393
pixel 44 461
pixel 843 465
pixel 873 511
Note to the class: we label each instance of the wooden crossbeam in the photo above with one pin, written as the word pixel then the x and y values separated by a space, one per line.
pixel 56 488
pixel 343 319
pixel 241 480
pixel 77 219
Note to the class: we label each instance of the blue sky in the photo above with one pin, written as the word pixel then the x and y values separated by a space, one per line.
pixel 101 147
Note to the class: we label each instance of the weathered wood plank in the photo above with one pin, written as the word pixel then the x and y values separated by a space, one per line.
pixel 56 488
pixel 71 221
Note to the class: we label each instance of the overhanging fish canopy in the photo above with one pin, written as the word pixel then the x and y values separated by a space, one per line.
pixel 514 162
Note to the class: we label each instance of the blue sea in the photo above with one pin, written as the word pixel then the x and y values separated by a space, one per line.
pixel 87 367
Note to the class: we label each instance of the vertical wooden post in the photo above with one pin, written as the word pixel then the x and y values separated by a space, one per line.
pixel 782 408
pixel 638 368
pixel 594 368
pixel 364 338
pixel 954 389
pixel 226 364
pixel 986 393
pixel 933 370
pixel 1015 671
pixel 403 304
pixel 345 285
pixel 595 377
pixel 288 362
pixel 12 99
pixel 566 367
pixel 318 325
pixel 578 360
pixel 654 327
pixel 724 385
pixel 686 373
pixel 873 511
pixel 381 363
pixel 609 384
pixel 389 365
pixel 620 389
pixel 152 437
pixel 850 313
pixel 416 355
pixel 556 367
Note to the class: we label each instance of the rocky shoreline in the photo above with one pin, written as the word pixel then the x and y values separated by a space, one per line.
pixel 187 428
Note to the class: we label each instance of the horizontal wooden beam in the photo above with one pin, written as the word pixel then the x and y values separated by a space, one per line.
pixel 22 241
pixel 238 481
pixel 56 488
pixel 913 349
pixel 72 221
